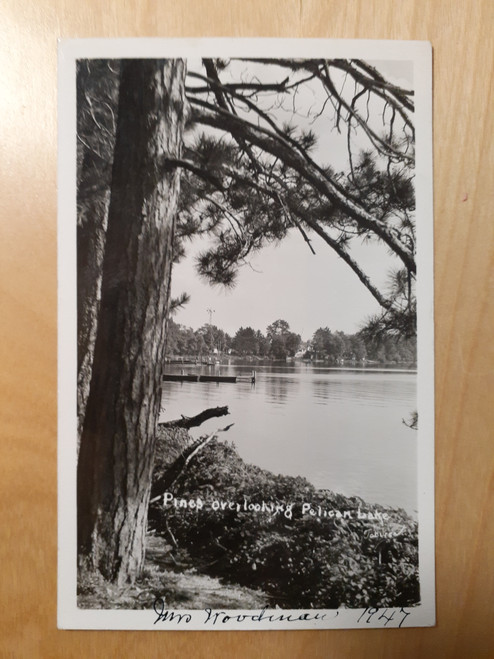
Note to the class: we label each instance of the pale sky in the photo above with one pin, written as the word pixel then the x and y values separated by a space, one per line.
pixel 286 280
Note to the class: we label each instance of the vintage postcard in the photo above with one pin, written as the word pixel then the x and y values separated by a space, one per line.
pixel 245 334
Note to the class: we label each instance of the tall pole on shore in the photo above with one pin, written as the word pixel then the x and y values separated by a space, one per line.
pixel 210 312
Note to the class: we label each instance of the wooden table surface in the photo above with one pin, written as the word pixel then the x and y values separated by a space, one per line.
pixel 461 33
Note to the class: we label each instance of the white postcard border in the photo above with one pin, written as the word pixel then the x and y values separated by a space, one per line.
pixel 71 617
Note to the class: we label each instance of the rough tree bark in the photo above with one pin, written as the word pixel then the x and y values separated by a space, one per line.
pixel 96 142
pixel 118 437
pixel 91 245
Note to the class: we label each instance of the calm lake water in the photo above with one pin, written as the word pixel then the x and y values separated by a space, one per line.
pixel 341 429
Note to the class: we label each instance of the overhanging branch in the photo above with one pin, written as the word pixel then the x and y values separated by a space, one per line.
pixel 291 213
pixel 276 146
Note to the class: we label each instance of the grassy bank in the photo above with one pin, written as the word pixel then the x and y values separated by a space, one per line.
pixel 301 546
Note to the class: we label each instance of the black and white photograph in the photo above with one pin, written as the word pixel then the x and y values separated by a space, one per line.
pixel 245 334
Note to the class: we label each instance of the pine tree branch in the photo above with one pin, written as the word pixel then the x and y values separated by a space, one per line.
pixel 383 147
pixel 234 87
pixel 278 147
pixel 374 81
pixel 339 249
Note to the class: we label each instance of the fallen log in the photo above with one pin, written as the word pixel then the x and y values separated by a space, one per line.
pixel 161 485
pixel 197 420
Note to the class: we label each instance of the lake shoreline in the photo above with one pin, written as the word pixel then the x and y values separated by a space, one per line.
pixel 341 429
pixel 214 515
pixel 235 536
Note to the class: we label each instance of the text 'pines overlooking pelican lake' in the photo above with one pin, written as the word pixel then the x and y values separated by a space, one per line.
pixel 246 364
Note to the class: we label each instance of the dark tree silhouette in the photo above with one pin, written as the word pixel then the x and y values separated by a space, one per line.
pixel 118 435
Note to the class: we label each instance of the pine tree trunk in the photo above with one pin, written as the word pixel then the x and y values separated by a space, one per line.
pixel 96 81
pixel 118 437
pixel 91 236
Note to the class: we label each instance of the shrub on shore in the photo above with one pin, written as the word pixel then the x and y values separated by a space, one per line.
pixel 305 548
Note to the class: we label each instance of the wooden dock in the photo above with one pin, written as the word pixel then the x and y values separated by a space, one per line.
pixel 191 377
pixel 194 362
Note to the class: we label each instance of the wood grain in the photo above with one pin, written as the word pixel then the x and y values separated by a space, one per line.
pixel 461 34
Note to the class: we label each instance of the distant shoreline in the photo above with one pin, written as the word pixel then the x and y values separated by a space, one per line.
pixel 373 368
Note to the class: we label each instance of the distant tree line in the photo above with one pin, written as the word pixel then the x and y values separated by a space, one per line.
pixel 337 346
pixel 279 342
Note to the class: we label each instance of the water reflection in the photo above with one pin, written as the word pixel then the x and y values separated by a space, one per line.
pixel 278 390
pixel 335 389
pixel 342 430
